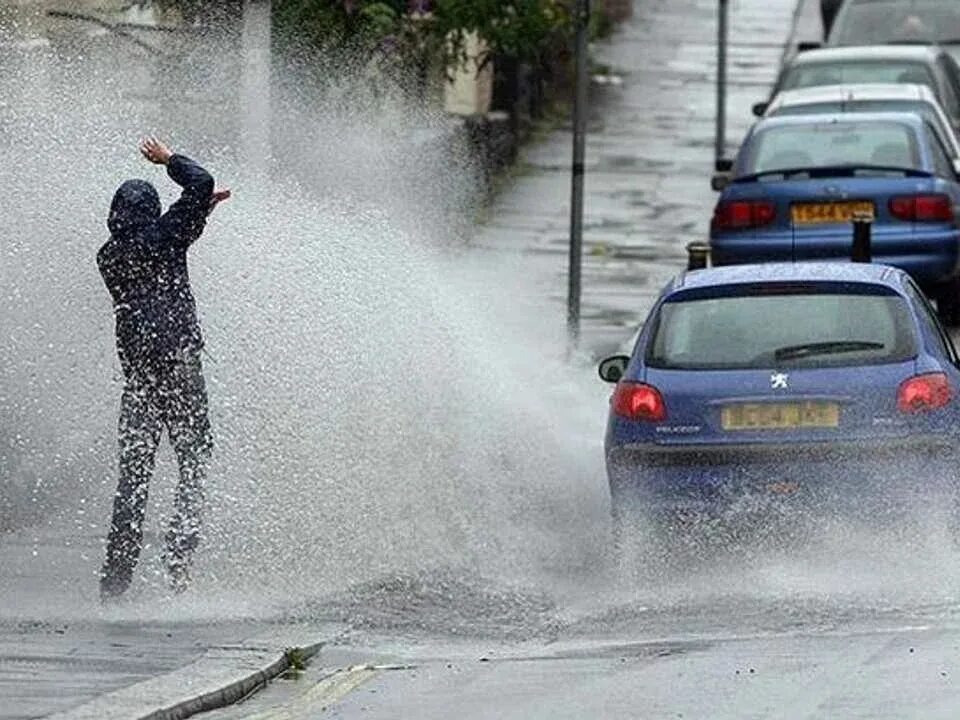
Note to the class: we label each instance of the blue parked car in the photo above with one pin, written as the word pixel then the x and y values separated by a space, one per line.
pixel 824 386
pixel 798 181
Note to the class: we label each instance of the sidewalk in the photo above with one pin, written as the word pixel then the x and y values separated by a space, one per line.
pixel 649 158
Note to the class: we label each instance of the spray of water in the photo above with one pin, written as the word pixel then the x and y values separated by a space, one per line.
pixel 384 400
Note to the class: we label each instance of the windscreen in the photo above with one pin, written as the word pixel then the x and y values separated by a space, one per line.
pixel 828 144
pixel 882 21
pixel 782 330
pixel 853 72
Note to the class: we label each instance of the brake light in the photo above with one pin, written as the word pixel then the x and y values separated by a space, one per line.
pixel 924 393
pixel 922 208
pixel 638 401
pixel 743 214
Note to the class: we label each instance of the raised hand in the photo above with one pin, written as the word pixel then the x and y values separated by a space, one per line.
pixel 218 197
pixel 155 151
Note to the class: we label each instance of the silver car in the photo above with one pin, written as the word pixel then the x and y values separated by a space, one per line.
pixel 877 97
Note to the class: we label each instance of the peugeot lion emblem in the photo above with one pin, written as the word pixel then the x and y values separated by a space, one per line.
pixel 778 381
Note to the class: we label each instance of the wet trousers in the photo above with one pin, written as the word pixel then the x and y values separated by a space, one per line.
pixel 176 400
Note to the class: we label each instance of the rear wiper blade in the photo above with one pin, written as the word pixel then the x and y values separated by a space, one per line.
pixel 833 171
pixel 794 352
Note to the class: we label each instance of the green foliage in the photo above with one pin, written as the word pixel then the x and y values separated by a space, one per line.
pixel 521 29
pixel 334 23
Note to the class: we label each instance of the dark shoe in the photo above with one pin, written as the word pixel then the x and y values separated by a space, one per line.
pixel 113 586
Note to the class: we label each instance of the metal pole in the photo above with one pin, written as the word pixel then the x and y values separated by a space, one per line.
pixel 722 38
pixel 698 253
pixel 862 230
pixel 582 21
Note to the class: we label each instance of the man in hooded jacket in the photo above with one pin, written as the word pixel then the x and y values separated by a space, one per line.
pixel 144 266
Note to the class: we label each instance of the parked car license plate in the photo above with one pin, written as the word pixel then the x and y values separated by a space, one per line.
pixel 780 416
pixel 830 212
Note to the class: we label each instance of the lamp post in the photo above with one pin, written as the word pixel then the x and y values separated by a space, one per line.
pixel 722 37
pixel 582 21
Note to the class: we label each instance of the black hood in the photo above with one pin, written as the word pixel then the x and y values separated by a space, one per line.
pixel 135 204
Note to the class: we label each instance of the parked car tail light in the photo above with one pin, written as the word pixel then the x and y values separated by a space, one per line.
pixel 923 393
pixel 922 208
pixel 743 214
pixel 638 401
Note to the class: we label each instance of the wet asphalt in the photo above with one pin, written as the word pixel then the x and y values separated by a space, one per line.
pixel 866 629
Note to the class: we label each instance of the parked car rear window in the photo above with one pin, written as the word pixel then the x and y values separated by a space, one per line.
pixel 852 72
pixel 881 21
pixel 921 108
pixel 782 330
pixel 828 143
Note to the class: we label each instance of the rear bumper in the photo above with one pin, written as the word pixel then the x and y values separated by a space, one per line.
pixel 930 256
pixel 698 477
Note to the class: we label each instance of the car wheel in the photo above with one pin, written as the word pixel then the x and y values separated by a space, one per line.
pixel 948 303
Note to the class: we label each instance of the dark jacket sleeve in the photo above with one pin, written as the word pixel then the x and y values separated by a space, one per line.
pixel 185 219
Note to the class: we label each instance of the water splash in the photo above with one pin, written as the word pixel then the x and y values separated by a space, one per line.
pixel 382 397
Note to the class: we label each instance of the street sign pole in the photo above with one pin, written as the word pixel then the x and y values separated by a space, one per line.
pixel 722 38
pixel 582 21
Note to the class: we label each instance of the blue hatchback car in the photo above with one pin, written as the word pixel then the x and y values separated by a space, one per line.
pixel 810 384
pixel 799 181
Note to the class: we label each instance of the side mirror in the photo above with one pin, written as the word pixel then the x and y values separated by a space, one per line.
pixel 723 165
pixel 806 45
pixel 614 368
pixel 720 181
pixel 760 109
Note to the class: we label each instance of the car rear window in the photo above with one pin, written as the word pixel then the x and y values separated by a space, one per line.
pixel 828 143
pixel 809 329
pixel 852 72
pixel 882 21
pixel 832 107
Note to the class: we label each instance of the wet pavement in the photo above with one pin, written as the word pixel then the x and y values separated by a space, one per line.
pixel 649 158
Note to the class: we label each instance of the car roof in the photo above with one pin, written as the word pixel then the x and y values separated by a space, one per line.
pixel 922 53
pixel 904 118
pixel 871 273
pixel 852 92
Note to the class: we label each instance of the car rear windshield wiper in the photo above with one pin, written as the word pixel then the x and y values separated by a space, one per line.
pixel 794 352
pixel 833 171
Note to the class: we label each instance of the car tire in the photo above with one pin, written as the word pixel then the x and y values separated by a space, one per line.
pixel 948 303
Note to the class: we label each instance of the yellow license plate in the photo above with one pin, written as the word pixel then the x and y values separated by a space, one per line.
pixel 830 212
pixel 780 416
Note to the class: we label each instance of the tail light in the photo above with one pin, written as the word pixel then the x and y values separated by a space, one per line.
pixel 743 214
pixel 923 393
pixel 922 208
pixel 638 401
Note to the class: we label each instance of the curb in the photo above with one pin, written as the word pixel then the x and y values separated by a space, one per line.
pixel 235 691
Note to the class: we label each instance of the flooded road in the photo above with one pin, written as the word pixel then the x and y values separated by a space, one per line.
pixel 403 448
